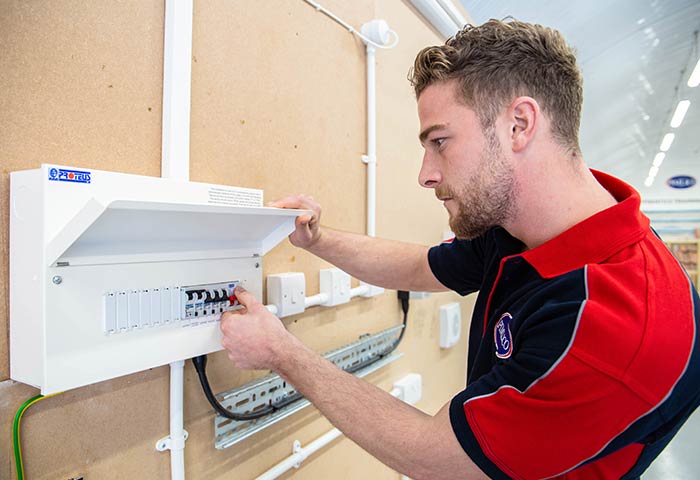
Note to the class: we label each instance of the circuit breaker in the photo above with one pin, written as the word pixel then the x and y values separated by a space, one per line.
pixel 111 273
pixel 126 310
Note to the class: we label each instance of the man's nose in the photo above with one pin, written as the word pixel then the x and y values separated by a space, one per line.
pixel 429 176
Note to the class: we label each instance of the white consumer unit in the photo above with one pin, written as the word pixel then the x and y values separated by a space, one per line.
pixel 112 274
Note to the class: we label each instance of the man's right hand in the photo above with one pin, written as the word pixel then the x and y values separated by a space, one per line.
pixel 384 263
pixel 308 227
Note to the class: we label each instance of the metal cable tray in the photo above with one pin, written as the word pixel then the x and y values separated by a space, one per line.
pixel 272 389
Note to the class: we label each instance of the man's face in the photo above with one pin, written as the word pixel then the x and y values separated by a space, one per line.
pixel 464 164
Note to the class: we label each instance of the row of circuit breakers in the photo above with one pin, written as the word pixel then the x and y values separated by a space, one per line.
pixel 161 306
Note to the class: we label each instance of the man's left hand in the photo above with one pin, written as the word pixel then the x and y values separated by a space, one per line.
pixel 253 337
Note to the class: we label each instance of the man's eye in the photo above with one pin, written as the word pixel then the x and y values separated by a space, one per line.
pixel 438 142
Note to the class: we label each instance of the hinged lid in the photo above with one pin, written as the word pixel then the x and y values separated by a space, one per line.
pixel 126 231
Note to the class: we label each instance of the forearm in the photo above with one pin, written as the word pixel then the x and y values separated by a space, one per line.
pixel 399 435
pixel 385 263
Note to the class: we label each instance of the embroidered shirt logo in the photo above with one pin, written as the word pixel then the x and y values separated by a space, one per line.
pixel 502 336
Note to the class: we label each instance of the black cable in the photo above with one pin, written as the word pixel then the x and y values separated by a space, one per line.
pixel 290 399
pixel 403 297
pixel 200 365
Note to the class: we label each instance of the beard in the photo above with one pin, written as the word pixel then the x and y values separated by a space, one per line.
pixel 488 197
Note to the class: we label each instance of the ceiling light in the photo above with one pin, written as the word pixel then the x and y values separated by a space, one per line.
pixel 453 12
pixel 679 114
pixel 694 79
pixel 658 159
pixel 653 171
pixel 645 83
pixel 648 182
pixel 667 141
pixel 437 16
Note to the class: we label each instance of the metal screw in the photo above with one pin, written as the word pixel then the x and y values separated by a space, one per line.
pixel 57 279
pixel 257 265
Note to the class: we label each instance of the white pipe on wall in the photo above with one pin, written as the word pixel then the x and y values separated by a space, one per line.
pixel 314 300
pixel 177 80
pixel 175 163
pixel 302 453
pixel 359 291
pixel 376 35
pixel 321 298
pixel 371 158
pixel 177 431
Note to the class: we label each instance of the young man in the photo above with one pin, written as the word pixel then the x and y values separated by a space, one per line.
pixel 583 360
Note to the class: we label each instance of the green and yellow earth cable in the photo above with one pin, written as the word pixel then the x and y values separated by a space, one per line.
pixel 15 432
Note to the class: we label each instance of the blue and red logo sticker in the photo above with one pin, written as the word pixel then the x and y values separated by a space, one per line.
pixel 502 336
pixel 63 175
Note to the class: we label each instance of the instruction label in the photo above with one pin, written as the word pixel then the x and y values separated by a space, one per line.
pixel 235 197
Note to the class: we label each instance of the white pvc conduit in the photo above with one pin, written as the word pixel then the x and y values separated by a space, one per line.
pixel 314 300
pixel 175 442
pixel 177 81
pixel 175 163
pixel 359 291
pixel 350 28
pixel 178 435
pixel 321 298
pixel 299 453
pixel 371 157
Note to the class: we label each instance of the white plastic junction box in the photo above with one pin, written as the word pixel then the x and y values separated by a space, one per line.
pixel 112 274
pixel 287 292
pixel 450 324
pixel 336 284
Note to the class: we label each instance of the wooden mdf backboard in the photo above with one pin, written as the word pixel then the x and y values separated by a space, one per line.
pixel 278 103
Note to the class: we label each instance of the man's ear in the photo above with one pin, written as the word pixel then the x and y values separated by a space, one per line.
pixel 524 117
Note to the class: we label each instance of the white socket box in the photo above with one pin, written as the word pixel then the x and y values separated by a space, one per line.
pixel 410 388
pixel 287 291
pixel 450 324
pixel 336 284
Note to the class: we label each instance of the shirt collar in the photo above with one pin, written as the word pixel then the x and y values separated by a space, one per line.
pixel 596 238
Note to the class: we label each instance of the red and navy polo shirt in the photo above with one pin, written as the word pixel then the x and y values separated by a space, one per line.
pixel 583 352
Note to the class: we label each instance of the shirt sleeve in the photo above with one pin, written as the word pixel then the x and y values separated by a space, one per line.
pixel 458 265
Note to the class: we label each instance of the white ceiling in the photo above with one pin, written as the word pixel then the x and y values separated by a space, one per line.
pixel 636 57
